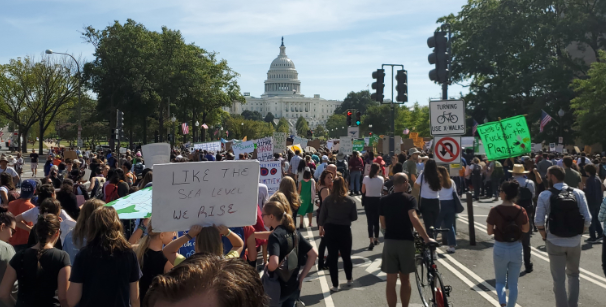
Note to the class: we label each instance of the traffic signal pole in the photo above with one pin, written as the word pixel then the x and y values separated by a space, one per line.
pixel 392 134
pixel 449 52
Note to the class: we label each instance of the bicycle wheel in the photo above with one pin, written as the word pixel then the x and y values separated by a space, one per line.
pixel 440 296
pixel 454 118
pixel 423 284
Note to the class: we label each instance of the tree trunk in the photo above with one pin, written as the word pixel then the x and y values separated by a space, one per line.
pixel 144 130
pixel 24 143
pixel 41 145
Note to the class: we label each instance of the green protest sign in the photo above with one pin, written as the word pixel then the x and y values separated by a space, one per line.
pixel 506 138
pixel 374 139
pixel 358 145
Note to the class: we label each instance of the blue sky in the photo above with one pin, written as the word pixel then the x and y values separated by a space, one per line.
pixel 335 44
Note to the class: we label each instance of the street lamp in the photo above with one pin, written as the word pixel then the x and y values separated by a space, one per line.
pixel 197 124
pixel 561 114
pixel 48 51
pixel 172 130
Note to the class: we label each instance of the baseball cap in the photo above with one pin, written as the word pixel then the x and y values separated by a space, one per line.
pixel 325 158
pixel 27 188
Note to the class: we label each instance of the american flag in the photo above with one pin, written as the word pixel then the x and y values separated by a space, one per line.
pixel 185 128
pixel 216 131
pixel 406 131
pixel 204 126
pixel 545 119
pixel 474 128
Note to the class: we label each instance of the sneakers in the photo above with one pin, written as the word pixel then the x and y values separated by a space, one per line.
pixel 371 246
pixel 377 242
pixel 334 289
pixel 450 250
pixel 590 241
pixel 529 268
pixel 350 283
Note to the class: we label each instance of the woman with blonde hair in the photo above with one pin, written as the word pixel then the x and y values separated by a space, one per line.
pixel 76 239
pixel 446 216
pixel 289 189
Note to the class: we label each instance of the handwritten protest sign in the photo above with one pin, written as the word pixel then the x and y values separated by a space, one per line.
pixel 243 147
pixel 157 153
pixel 358 145
pixel 346 145
pixel 270 175
pixel 265 149
pixel 134 206
pixel 205 193
pixel 329 144
pixel 279 142
pixel 210 146
pixel 507 138
pixel 301 141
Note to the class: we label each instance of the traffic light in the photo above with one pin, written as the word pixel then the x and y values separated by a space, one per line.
pixel 439 57
pixel 379 85
pixel 349 113
pixel 358 118
pixel 369 133
pixel 402 86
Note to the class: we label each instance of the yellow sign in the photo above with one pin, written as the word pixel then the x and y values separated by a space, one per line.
pixel 414 135
pixel 295 147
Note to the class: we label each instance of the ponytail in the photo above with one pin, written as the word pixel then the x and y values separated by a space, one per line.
pixel 278 210
pixel 47 226
pixel 144 244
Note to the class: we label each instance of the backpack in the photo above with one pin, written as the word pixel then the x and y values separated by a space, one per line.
pixel 525 197
pixel 511 231
pixel 341 166
pixel 97 192
pixel 565 219
pixel 290 263
pixel 113 195
pixel 138 169
pixel 498 170
pixel 476 171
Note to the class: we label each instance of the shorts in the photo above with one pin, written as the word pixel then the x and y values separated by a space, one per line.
pixel 398 257
pixel 34 165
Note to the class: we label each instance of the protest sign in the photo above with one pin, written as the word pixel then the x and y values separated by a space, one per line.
pixel 507 138
pixel 265 149
pixel 270 175
pixel 300 141
pixel 329 144
pixel 279 142
pixel 358 145
pixel 346 145
pixel 552 147
pixel 467 141
pixel 205 193
pixel 407 144
pixel 295 147
pixel 122 150
pixel 413 135
pixel 314 143
pixel 70 154
pixel 134 206
pixel 210 146
pixel 366 141
pixel 587 149
pixel 157 153
pixel 243 147
pixel 559 148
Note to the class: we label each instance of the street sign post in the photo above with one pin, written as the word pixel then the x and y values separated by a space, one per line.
pixel 447 117
pixel 447 149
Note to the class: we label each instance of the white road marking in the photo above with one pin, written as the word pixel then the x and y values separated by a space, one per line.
pixel 321 276
pixel 375 269
pixel 470 283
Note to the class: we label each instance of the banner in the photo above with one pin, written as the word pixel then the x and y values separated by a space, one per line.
pixel 301 141
pixel 265 149
pixel 210 146
pixel 279 142
pixel 346 146
pixel 157 153
pixel 134 206
pixel 205 193
pixel 506 138
pixel 243 147
pixel 358 145
pixel 270 175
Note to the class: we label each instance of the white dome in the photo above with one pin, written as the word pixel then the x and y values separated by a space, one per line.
pixel 282 77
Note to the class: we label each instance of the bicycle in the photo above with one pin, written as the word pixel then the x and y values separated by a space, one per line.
pixel 432 290
pixel 451 118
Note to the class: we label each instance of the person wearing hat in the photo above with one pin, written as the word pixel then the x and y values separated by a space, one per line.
pixel 18 206
pixel 410 166
pixel 320 168
pixel 526 194
pixel 9 170
pixel 379 160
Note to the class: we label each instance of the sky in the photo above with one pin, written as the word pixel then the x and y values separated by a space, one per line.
pixel 335 45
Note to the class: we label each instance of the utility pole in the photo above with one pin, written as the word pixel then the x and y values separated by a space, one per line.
pixel 378 86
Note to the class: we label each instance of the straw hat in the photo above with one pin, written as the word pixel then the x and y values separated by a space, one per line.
pixel 518 169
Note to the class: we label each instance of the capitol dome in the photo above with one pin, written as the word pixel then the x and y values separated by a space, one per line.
pixel 282 77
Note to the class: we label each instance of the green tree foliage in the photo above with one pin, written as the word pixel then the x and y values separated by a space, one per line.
pixel 336 125
pixel 252 115
pixel 589 106
pixel 356 100
pixel 269 117
pixel 320 132
pixel 283 126
pixel 302 127
pixel 239 127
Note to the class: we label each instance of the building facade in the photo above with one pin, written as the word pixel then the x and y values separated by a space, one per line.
pixel 282 96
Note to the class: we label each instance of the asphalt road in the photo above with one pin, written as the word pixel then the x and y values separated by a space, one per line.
pixel 469 271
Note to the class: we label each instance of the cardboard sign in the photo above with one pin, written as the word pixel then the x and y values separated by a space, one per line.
pixel 587 149
pixel 279 142
pixel 358 145
pixel 559 148
pixel 346 145
pixel 205 193
pixel 243 147
pixel 576 148
pixel 413 135
pixel 271 175
pixel 134 206
pixel 70 154
pixel 315 144
pixel 447 117
pixel 209 146
pixel 265 149
pixel 506 138
pixel 407 144
pixel 157 153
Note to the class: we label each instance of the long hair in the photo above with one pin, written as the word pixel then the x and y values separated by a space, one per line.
pixel 149 177
pixel 47 226
pixel 302 165
pixel 339 189
pixel 445 179
pixel 208 241
pixel 278 210
pixel 50 205
pixel 374 169
pixel 144 244
pixel 431 175
pixel 67 186
pixel 7 180
pixel 79 232
pixel 104 232
pixel 118 176
pixel 288 187
pixel 281 198
pixel 325 173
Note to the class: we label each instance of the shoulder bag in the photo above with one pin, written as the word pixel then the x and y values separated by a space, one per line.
pixel 457 201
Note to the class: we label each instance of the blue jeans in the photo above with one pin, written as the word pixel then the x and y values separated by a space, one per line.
pixel 289 301
pixel 507 257
pixel 354 181
pixel 446 217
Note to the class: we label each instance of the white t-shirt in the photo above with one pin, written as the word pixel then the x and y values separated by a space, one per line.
pixel 374 186
pixel 446 194
pixel 9 170
pixel 426 191
pixel 67 223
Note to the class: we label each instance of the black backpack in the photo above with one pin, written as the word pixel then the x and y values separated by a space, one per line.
pixel 341 166
pixel 525 196
pixel 476 171
pixel 290 263
pixel 565 219
pixel 511 231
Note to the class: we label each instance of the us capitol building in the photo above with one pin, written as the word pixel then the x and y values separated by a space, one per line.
pixel 283 98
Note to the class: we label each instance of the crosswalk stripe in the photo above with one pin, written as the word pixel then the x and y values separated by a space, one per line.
pixel 328 302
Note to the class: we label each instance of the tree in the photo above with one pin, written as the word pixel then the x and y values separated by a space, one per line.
pixel 320 132
pixel 269 118
pixel 302 127
pixel 379 117
pixel 589 106
pixel 356 100
pixel 419 119
pixel 336 125
pixel 283 126
pixel 252 115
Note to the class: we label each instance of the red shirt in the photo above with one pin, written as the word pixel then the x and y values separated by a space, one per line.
pixel 17 207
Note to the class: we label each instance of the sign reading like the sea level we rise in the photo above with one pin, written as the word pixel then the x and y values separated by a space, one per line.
pixel 447 117
pixel 509 137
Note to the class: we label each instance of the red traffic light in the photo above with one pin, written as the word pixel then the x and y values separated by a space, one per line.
pixel 370 133
pixel 349 113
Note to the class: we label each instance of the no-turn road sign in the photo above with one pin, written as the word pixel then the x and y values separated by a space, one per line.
pixel 447 149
